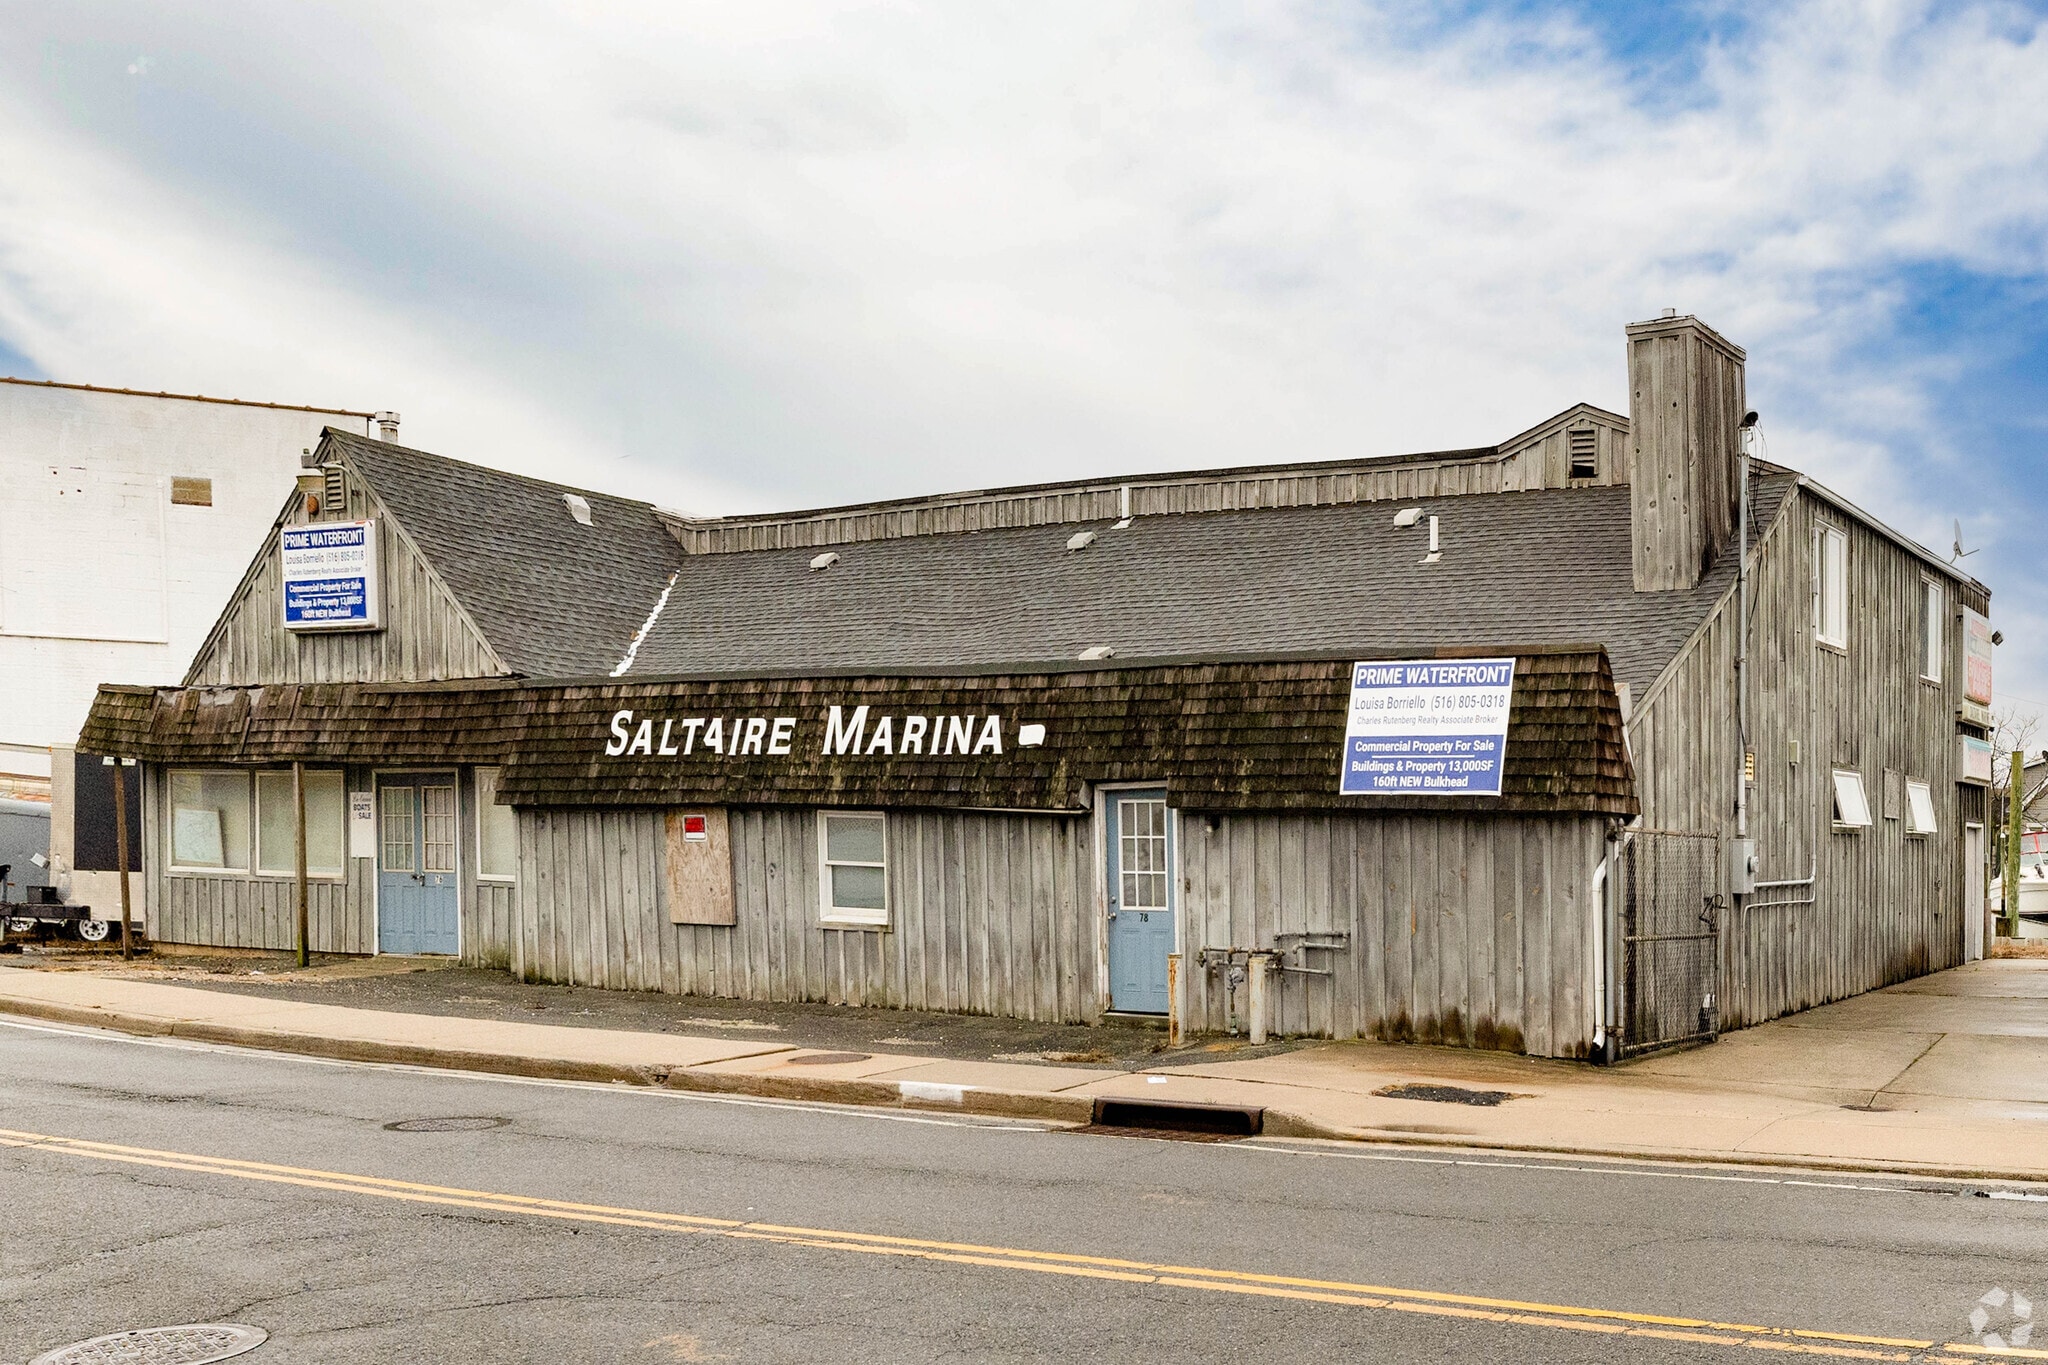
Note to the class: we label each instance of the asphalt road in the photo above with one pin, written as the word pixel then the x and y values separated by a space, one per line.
pixel 555 1236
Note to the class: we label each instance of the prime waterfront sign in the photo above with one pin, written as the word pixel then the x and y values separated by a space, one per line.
pixel 330 576
pixel 1427 727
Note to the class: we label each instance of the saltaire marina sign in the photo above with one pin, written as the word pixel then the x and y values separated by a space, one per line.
pixel 850 732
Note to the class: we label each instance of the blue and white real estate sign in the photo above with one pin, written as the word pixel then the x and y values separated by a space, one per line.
pixel 330 576
pixel 1427 727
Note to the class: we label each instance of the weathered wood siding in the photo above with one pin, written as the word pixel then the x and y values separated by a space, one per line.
pixel 426 635
pixel 239 910
pixel 1686 398
pixel 990 914
pixel 1463 929
pixel 1474 930
pixel 1536 459
pixel 1888 905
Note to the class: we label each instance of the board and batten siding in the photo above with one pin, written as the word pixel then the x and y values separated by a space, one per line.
pixel 426 636
pixel 1888 905
pixel 989 913
pixel 1538 458
pixel 1463 929
pixel 242 910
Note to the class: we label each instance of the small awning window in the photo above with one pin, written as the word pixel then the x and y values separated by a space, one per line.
pixel 1919 807
pixel 1852 807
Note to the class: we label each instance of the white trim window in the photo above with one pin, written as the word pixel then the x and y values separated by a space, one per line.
pixel 853 867
pixel 497 832
pixel 1919 808
pixel 1831 586
pixel 1933 616
pixel 326 824
pixel 209 820
pixel 1852 805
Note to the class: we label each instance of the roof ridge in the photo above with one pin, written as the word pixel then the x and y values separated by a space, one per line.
pixel 374 444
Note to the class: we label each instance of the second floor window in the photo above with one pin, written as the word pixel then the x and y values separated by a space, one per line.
pixel 1831 587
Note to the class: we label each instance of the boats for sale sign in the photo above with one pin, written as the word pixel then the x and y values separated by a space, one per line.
pixel 1427 727
pixel 330 576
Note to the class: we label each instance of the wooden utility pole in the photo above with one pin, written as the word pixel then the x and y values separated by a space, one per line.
pixel 121 845
pixel 299 854
pixel 2015 811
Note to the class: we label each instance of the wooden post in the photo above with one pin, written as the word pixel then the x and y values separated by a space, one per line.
pixel 2015 813
pixel 121 846
pixel 299 854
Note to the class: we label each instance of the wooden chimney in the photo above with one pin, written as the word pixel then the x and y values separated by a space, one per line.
pixel 1685 407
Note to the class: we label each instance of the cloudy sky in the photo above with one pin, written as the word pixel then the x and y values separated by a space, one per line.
pixel 735 257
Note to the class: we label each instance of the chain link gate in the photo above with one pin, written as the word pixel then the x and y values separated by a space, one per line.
pixel 1670 938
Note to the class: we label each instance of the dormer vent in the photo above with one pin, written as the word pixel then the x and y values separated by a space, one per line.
pixel 825 560
pixel 579 507
pixel 1080 540
pixel 1584 444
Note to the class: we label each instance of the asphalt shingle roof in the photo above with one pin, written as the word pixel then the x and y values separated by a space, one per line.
pixel 553 597
pixel 1518 569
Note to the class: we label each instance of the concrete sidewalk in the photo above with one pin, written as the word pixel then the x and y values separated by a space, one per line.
pixel 1947 1075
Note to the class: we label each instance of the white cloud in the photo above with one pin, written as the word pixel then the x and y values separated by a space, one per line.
pixel 798 254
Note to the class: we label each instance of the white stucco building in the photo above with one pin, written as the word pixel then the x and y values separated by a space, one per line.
pixel 125 520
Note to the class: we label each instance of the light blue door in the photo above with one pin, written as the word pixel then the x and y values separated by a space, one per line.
pixel 418 909
pixel 1141 900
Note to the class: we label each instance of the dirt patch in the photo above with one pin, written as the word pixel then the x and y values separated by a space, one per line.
pixel 2020 947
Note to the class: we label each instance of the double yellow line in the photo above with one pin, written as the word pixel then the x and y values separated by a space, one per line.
pixel 1604 1321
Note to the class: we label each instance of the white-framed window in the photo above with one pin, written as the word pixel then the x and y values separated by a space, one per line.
pixel 1933 616
pixel 497 831
pixel 1919 807
pixel 1831 586
pixel 1852 806
pixel 326 824
pixel 853 867
pixel 209 820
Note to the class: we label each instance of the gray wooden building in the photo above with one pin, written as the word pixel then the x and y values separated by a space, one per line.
pixel 1015 751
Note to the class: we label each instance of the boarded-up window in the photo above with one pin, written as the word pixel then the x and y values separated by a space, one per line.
pixel 697 868
pixel 188 492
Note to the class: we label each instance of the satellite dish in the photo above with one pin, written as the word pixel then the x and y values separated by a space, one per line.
pixel 1958 552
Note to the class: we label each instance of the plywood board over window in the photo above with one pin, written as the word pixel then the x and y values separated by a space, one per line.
pixel 697 867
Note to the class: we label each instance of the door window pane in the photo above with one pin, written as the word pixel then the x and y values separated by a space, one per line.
pixel 210 820
pixel 497 829
pixel 326 823
pixel 394 805
pixel 1141 854
pixel 437 807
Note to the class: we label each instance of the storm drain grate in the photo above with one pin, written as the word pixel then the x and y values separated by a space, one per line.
pixel 1215 1121
pixel 193 1343
pixel 1445 1094
pixel 461 1123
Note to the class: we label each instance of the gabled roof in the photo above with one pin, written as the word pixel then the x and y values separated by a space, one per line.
pixel 1530 569
pixel 551 596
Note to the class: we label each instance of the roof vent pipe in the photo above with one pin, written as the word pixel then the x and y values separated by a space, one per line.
pixel 387 426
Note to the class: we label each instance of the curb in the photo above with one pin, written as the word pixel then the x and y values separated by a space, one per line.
pixel 1073 1110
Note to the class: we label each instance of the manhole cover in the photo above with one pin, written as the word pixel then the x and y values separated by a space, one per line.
pixel 194 1343
pixel 1444 1094
pixel 827 1058
pixel 459 1124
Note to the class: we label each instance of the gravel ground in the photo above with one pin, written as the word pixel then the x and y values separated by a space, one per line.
pixel 423 986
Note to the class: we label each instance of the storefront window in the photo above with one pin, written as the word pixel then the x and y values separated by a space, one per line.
pixel 853 867
pixel 497 830
pixel 210 820
pixel 326 817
